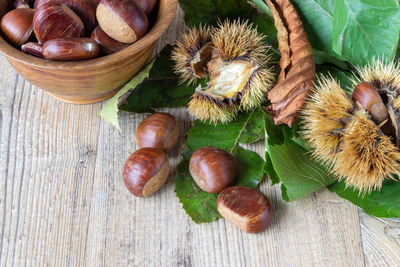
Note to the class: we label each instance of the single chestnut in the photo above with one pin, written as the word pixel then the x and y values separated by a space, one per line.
pixel 146 171
pixel 107 44
pixel 82 8
pixel 246 208
pixel 146 6
pixel 17 25
pixel 55 20
pixel 368 97
pixel 213 169
pixel 70 49
pixel 122 20
pixel 158 130
pixel 33 48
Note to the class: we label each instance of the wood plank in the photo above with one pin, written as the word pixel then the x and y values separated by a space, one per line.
pixel 63 201
pixel 381 240
pixel 320 229
pixel 47 165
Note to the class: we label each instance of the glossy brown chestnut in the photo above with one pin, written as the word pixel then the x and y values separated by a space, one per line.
pixel 146 171
pixel 70 49
pixel 32 48
pixel 158 130
pixel 84 10
pixel 146 6
pixel 246 208
pixel 368 97
pixel 107 44
pixel 94 3
pixel 54 20
pixel 122 20
pixel 16 25
pixel 213 169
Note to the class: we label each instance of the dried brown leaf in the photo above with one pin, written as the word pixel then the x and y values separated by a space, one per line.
pixel 297 64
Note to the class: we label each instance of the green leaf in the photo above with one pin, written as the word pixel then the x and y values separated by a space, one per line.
pixel 366 29
pixel 199 205
pixel 287 160
pixel 160 89
pixel 110 111
pixel 202 206
pixel 274 135
pixel 384 204
pixel 322 57
pixel 263 7
pixel 270 170
pixel 210 11
pixel 299 173
pixel 248 128
pixel 342 76
pixel 250 171
pixel 317 18
pixel 266 25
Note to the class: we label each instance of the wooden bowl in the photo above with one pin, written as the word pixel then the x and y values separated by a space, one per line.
pixel 88 81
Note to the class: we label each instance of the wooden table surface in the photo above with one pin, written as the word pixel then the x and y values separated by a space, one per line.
pixel 63 201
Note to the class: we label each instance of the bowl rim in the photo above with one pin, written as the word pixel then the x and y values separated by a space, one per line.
pixel 155 32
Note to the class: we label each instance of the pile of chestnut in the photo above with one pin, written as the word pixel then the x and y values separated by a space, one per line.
pixel 214 170
pixel 76 29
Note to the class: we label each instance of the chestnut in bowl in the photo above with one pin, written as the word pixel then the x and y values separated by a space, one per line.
pixel 122 20
pixel 83 8
pixel 17 26
pixel 107 44
pixel 70 49
pixel 93 80
pixel 53 20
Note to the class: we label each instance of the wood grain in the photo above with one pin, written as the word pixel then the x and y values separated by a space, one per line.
pixel 63 201
pixel 381 240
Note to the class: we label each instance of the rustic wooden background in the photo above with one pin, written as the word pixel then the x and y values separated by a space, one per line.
pixel 63 201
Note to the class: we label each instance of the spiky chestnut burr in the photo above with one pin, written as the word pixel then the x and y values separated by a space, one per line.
pixel 344 136
pixel 366 155
pixel 192 53
pixel 325 118
pixel 385 77
pixel 238 76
